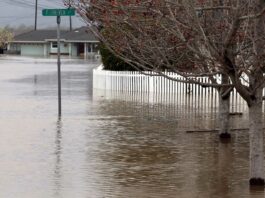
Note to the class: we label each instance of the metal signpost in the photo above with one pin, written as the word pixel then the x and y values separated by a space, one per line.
pixel 58 13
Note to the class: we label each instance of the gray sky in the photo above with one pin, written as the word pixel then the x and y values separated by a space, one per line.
pixel 17 12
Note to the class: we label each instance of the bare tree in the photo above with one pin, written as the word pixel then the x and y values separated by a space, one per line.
pixel 141 37
pixel 193 39
pixel 5 36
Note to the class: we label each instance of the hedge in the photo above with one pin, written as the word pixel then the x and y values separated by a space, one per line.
pixel 112 62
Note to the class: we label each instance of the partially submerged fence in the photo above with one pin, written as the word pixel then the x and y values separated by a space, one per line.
pixel 134 81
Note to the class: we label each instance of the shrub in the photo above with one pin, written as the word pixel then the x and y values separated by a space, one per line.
pixel 112 62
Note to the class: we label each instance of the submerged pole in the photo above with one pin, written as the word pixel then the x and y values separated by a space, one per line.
pixel 59 66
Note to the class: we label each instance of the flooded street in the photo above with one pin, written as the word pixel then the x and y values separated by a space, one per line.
pixel 110 145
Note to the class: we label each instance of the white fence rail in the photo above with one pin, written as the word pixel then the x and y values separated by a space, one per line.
pixel 135 82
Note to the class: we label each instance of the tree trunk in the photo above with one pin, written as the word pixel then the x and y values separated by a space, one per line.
pixel 224 108
pixel 256 140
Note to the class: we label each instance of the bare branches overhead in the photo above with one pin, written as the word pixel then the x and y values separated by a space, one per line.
pixel 198 37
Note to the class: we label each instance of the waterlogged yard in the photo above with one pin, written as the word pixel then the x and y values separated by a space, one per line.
pixel 110 144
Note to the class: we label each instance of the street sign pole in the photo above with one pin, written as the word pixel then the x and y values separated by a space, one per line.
pixel 58 13
pixel 59 66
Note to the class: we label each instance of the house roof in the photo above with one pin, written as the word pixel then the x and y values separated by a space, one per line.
pixel 38 35
pixel 80 34
pixel 77 35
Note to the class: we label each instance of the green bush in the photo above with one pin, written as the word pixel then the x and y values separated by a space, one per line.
pixel 112 62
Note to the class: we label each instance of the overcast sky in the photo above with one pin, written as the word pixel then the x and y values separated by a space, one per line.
pixel 17 12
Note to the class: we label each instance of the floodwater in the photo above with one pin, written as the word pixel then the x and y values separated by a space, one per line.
pixel 109 145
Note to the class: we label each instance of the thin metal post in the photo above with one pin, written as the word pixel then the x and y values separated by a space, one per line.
pixel 70 18
pixel 36 14
pixel 59 66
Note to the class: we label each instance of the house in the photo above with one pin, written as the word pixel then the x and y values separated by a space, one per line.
pixel 78 42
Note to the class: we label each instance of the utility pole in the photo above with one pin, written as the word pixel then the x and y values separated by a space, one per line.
pixel 36 14
pixel 70 17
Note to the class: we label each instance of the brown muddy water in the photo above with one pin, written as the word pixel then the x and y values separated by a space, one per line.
pixel 110 145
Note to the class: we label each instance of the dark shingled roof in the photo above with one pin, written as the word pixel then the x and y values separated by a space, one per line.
pixel 38 35
pixel 80 34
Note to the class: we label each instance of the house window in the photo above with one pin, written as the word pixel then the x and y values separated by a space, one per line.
pixel 54 45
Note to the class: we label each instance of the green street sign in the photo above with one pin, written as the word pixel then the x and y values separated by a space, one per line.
pixel 58 12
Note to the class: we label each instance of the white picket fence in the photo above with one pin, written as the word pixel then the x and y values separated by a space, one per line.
pixel 136 82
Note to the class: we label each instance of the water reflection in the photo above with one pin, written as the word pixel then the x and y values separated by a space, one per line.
pixel 113 145
pixel 152 157
pixel 58 160
pixel 192 113
pixel 205 102
pixel 225 168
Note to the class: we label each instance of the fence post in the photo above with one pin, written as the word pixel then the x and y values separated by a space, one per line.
pixel 151 84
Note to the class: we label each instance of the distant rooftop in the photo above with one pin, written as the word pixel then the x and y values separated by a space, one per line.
pixel 82 34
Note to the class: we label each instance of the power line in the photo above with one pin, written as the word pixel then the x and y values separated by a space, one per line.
pixel 24 4
pixel 11 17
pixel 6 5
pixel 55 3
pixel 20 18
pixel 29 4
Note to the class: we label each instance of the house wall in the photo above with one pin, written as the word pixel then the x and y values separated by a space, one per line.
pixel 32 49
pixel 13 47
pixel 92 47
pixel 64 48
pixel 74 49
pixel 89 49
pixel 45 49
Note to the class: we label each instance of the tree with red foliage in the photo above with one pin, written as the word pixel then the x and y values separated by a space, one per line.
pixel 192 38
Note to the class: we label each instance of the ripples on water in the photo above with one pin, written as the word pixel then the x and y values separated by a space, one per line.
pixel 110 144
